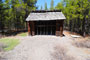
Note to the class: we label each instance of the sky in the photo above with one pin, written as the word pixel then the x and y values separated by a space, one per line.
pixel 42 3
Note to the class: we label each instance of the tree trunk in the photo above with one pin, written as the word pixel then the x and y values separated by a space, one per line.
pixel 83 27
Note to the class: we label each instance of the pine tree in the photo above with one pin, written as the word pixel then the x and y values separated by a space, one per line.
pixel 41 8
pixel 1 16
pixel 52 5
pixel 77 13
pixel 46 6
pixel 59 6
pixel 14 12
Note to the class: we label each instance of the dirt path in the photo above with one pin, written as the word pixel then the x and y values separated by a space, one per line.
pixel 41 48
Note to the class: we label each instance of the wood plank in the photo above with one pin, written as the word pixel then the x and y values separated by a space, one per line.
pixel 57 28
pixel 33 28
pixel 61 28
pixel 29 29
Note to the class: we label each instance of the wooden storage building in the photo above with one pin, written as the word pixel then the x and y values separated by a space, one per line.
pixel 42 22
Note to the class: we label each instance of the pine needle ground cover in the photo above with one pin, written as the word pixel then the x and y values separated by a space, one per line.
pixel 10 43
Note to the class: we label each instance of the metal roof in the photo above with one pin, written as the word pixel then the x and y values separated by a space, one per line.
pixel 41 15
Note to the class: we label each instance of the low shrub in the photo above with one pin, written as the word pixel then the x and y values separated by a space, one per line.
pixel 60 54
pixel 85 43
pixel 2 46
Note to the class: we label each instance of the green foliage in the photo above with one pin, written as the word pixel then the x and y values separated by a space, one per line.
pixel 77 13
pixel 59 6
pixel 1 15
pixel 52 5
pixel 14 12
pixel 46 6
pixel 10 42
pixel 41 8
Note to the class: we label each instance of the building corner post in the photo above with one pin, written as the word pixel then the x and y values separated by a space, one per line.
pixel 29 29
pixel 61 28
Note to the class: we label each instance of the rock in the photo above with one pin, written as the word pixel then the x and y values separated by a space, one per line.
pixel 2 46
pixel 75 36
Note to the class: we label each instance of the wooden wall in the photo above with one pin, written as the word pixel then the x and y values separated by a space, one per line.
pixel 31 28
pixel 59 28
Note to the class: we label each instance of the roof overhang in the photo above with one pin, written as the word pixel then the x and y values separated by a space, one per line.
pixel 44 15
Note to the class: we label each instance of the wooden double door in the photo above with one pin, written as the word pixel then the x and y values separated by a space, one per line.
pixel 45 27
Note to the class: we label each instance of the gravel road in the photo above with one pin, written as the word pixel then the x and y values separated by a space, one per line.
pixel 41 48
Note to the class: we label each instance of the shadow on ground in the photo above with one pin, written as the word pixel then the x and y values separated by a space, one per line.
pixel 11 33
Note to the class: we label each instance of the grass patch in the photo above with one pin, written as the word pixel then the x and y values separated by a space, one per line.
pixel 10 43
pixel 23 34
